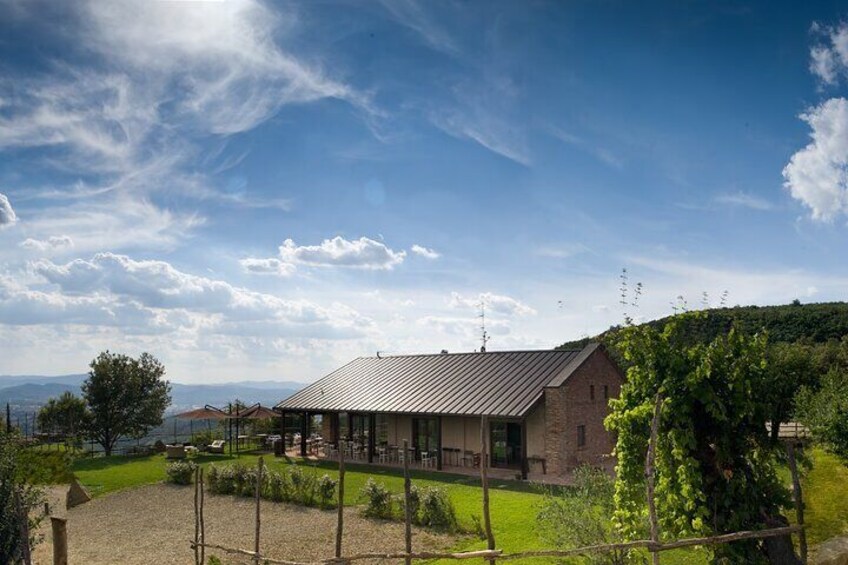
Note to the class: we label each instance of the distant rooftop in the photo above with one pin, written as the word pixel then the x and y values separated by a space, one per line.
pixel 496 383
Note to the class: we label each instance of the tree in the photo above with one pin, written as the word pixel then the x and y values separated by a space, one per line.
pixel 825 412
pixel 66 415
pixel 715 463
pixel 791 366
pixel 17 496
pixel 125 396
pixel 579 516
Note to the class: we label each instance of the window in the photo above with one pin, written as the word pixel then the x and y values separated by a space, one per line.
pixel 581 436
pixel 591 392
pixel 606 392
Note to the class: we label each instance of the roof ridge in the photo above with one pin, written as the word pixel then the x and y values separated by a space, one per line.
pixel 505 352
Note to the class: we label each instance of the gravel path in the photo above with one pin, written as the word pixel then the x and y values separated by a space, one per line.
pixel 153 524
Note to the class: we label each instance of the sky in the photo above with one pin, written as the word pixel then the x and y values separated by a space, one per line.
pixel 267 190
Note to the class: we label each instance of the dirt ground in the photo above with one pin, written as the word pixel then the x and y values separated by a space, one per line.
pixel 154 524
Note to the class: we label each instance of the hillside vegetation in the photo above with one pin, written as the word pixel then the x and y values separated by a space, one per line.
pixel 811 323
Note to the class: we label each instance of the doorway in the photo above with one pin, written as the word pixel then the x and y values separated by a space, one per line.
pixel 506 444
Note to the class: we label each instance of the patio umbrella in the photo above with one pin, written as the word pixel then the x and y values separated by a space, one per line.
pixel 206 413
pixel 258 412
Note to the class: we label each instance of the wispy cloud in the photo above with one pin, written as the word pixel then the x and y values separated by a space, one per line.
pixel 829 60
pixel 602 154
pixel 415 16
pixel 744 200
pixel 493 302
pixel 7 213
pixel 52 243
pixel 425 252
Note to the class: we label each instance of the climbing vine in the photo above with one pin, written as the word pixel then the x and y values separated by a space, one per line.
pixel 715 466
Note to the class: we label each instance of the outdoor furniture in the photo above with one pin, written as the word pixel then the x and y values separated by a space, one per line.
pixel 428 459
pixel 217 446
pixel 175 452
pixel 191 450
pixel 468 458
pixel 383 454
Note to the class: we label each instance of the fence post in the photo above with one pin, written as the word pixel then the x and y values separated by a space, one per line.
pixel 407 510
pixel 798 498
pixel 340 523
pixel 60 540
pixel 484 481
pixel 258 504
pixel 196 516
pixel 202 525
pixel 649 480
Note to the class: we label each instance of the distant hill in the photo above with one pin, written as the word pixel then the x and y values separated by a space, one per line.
pixel 28 393
pixel 815 323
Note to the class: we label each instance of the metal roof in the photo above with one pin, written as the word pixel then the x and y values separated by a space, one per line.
pixel 498 383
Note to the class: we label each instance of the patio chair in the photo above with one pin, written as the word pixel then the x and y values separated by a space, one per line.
pixel 382 454
pixel 468 458
pixel 217 446
pixel 428 459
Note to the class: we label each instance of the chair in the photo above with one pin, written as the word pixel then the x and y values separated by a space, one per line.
pixel 382 454
pixel 427 459
pixel 175 452
pixel 217 446
pixel 468 458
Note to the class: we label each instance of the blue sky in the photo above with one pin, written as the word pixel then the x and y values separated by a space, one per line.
pixel 265 190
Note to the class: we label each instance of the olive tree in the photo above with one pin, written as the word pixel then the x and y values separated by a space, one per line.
pixel 715 463
pixel 126 397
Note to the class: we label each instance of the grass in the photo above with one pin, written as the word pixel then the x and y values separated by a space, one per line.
pixel 513 505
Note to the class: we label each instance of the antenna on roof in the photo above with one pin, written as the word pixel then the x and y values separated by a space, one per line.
pixel 484 336
pixel 378 355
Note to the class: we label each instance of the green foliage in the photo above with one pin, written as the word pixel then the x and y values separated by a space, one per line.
pixel 66 416
pixel 812 323
pixel 715 464
pixel 125 396
pixel 579 516
pixel 45 467
pixel 825 412
pixel 17 496
pixel 291 485
pixel 181 472
pixel 436 510
pixel 206 437
pixel 378 500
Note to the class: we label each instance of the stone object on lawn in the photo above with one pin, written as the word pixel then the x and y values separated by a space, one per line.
pixel 76 494
pixel 159 446
pixel 832 552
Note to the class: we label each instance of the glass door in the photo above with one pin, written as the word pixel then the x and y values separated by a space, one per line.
pixel 424 434
pixel 505 444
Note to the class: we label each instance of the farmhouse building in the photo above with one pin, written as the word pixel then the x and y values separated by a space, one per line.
pixel 543 410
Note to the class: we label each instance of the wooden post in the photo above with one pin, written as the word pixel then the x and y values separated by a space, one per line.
pixel 525 464
pixel 649 480
pixel 340 523
pixel 438 443
pixel 304 431
pixel 60 540
pixel 259 466
pixel 407 494
pixel 799 500
pixel 202 525
pixel 23 515
pixel 197 516
pixel 484 482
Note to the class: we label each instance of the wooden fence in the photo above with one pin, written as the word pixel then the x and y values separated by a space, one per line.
pixel 653 545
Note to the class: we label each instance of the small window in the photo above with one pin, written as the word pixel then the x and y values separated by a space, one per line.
pixel 581 436
pixel 591 392
pixel 606 392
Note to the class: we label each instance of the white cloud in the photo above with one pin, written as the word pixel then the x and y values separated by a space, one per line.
pixel 830 60
pixel 425 252
pixel 468 328
pixel 744 200
pixel 413 15
pixel 269 266
pixel 494 303
pixel 562 251
pixel 7 214
pixel 362 253
pixel 818 174
pixel 51 243
pixel 212 305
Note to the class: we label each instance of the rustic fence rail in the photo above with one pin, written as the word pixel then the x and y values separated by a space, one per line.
pixel 653 545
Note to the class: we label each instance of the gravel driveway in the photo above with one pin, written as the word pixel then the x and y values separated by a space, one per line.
pixel 154 524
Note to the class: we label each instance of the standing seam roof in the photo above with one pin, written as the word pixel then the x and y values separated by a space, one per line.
pixel 500 383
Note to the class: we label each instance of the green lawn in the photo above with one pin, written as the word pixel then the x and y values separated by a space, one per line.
pixel 513 505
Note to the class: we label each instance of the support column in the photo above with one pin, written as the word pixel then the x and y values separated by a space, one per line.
pixel 438 443
pixel 372 441
pixel 525 464
pixel 304 431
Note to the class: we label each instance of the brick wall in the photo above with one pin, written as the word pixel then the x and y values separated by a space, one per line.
pixel 570 406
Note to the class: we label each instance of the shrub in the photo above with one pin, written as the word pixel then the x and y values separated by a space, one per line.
pixel 436 509
pixel 303 486
pixel 326 491
pixel 180 472
pixel 379 500
pixel 414 503
pixel 278 487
